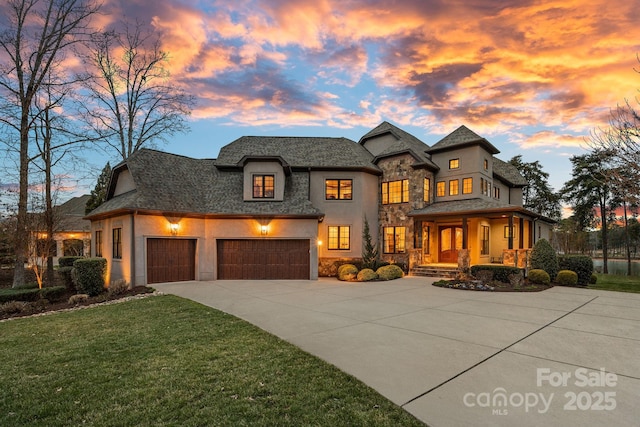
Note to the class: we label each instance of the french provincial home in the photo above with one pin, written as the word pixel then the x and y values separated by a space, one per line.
pixel 290 207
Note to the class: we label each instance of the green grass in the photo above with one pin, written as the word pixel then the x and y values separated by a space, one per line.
pixel 169 361
pixel 613 282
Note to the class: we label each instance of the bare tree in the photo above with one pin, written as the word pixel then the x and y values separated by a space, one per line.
pixel 132 102
pixel 36 32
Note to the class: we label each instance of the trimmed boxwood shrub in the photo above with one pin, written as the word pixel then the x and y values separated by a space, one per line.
pixel 593 279
pixel 567 278
pixel 7 295
pixel 347 272
pixel 390 272
pixel 582 265
pixel 366 275
pixel 53 293
pixel 90 275
pixel 67 261
pixel 501 273
pixel 543 257
pixel 66 276
pixel 539 276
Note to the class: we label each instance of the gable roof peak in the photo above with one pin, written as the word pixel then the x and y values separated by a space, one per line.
pixel 462 137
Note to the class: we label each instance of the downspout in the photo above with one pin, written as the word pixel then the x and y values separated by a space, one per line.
pixel 133 248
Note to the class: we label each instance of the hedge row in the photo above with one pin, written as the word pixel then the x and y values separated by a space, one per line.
pixel 582 265
pixel 52 293
pixel 501 273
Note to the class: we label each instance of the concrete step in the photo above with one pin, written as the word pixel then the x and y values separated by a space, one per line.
pixel 427 271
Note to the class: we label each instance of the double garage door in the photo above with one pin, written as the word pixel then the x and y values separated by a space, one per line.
pixel 174 260
pixel 263 259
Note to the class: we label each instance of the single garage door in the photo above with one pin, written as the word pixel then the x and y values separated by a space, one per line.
pixel 171 260
pixel 263 259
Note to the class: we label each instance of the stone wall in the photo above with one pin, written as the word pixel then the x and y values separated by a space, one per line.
pixel 328 267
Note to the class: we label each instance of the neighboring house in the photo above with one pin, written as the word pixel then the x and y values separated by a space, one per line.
pixel 289 208
pixel 72 232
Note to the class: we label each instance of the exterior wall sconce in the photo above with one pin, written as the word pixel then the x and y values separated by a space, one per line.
pixel 174 228
pixel 319 242
pixel 264 229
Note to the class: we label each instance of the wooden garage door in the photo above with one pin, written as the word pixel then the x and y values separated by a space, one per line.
pixel 263 259
pixel 171 260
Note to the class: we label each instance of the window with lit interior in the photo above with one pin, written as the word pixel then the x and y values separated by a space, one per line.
pixel 338 189
pixel 395 192
pixel 394 240
pixel 339 237
pixel 263 186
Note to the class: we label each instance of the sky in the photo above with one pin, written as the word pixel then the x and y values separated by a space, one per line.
pixel 532 77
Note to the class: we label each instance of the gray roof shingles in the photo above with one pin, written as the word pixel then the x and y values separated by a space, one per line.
pixel 507 172
pixel 461 137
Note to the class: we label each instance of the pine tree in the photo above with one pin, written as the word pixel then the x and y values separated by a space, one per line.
pixel 99 193
pixel 370 250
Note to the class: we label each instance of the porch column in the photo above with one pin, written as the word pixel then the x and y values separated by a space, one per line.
pixel 521 234
pixel 510 238
pixel 465 234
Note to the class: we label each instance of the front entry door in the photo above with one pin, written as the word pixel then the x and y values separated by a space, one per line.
pixel 450 243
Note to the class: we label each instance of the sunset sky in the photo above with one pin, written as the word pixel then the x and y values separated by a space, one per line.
pixel 533 77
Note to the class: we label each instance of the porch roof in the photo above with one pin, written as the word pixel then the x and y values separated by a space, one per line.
pixel 475 207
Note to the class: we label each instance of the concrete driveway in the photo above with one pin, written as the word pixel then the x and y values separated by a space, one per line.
pixel 561 357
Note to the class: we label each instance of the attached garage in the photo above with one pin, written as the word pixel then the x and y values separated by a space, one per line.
pixel 171 260
pixel 263 259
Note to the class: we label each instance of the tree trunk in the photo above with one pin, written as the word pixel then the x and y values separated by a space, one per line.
pixel 22 232
pixel 627 241
pixel 605 245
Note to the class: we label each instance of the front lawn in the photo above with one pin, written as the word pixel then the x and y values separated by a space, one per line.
pixel 614 282
pixel 168 361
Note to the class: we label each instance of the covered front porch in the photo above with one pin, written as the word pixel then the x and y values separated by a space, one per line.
pixel 493 235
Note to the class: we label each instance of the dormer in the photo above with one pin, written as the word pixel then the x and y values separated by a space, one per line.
pixel 264 178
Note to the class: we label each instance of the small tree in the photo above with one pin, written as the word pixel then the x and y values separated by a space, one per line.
pixel 99 193
pixel 370 254
pixel 543 257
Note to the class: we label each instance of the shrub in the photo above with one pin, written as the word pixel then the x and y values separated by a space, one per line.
pixel 12 307
pixel 90 275
pixel 500 273
pixel 366 275
pixel 347 272
pixel 67 261
pixel 389 272
pixel 30 285
pixel 118 287
pixel 66 276
pixel 485 276
pixel 543 257
pixel 539 276
pixel 516 280
pixel 78 298
pixel 593 279
pixel 19 294
pixel 582 265
pixel 53 293
pixel 567 278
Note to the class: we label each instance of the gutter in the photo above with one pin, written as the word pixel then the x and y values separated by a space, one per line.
pixel 133 248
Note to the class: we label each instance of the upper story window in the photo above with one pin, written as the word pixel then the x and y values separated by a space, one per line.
pixel 427 190
pixel 339 237
pixel 496 192
pixel 453 187
pixel 117 243
pixel 263 186
pixel 467 186
pixel 338 189
pixel 454 163
pixel 395 192
pixel 485 187
pixel 440 189
pixel 486 164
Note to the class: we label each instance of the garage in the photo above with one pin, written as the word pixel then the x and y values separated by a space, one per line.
pixel 171 260
pixel 263 259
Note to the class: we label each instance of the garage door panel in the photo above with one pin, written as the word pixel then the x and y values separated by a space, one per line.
pixel 263 259
pixel 171 260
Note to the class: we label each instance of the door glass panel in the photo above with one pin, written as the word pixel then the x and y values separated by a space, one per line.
pixel 445 239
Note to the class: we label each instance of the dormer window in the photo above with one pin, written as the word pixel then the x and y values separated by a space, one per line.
pixel 454 164
pixel 263 186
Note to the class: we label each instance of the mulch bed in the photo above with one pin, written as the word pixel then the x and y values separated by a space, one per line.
pixel 494 286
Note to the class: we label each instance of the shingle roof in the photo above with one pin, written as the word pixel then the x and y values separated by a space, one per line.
pixel 462 137
pixel 468 205
pixel 176 184
pixel 69 215
pixel 509 173
pixel 405 143
pixel 298 152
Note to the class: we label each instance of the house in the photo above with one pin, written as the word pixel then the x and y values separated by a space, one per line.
pixel 290 207
pixel 72 233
